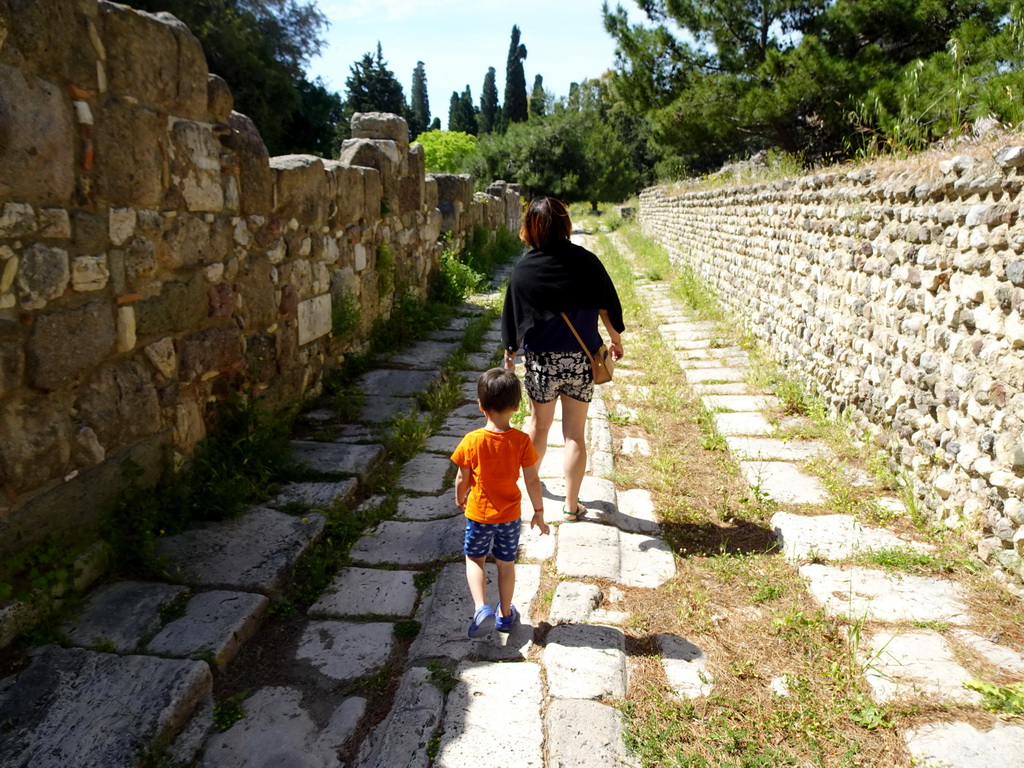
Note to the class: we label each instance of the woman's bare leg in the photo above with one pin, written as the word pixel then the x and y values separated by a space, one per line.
pixel 574 427
pixel 542 415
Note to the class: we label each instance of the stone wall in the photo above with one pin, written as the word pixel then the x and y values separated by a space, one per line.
pixel 153 258
pixel 899 292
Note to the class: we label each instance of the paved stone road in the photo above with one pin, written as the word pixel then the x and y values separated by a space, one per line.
pixel 141 672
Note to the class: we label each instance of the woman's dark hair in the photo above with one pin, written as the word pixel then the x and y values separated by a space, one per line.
pixel 498 390
pixel 546 222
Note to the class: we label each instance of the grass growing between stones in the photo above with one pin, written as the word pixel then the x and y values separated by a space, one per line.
pixel 744 606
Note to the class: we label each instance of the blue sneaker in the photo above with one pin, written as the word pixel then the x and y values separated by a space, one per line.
pixel 483 622
pixel 505 623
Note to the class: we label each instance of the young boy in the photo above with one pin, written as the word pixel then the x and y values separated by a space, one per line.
pixel 489 460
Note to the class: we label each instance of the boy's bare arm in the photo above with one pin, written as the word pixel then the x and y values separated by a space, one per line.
pixel 531 475
pixel 461 488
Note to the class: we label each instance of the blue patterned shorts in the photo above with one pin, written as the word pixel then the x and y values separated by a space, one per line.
pixel 550 374
pixel 504 536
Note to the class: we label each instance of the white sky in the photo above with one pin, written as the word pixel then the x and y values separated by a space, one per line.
pixel 457 40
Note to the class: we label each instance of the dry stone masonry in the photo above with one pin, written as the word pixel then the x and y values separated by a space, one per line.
pixel 898 292
pixel 153 257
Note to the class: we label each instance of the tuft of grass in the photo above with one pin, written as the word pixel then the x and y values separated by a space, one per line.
pixel 229 711
pixel 441 676
pixel 1007 699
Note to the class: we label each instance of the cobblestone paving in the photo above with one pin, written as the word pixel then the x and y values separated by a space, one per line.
pixel 461 703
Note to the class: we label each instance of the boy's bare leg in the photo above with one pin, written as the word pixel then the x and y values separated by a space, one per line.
pixel 574 426
pixel 506 585
pixel 477 580
pixel 542 415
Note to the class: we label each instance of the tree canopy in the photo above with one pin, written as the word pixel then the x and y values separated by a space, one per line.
pixel 420 107
pixel 515 109
pixel 489 103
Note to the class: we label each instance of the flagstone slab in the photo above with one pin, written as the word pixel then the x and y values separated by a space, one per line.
pixel 729 388
pixel 315 494
pixel 215 627
pixel 718 361
pixel 354 433
pixel 703 375
pixel 588 550
pixel 378 409
pixel 635 511
pixel 253 552
pixel 772 449
pixel 368 592
pixel 481 361
pixel 834 537
pixel 644 561
pixel 685 665
pixel 961 745
pixel 73 707
pixel 459 426
pixel 784 482
pixel 470 411
pixel 443 444
pixel 574 602
pixel 427 507
pixel 635 446
pixel 738 403
pixel 404 738
pixel 585 661
pixel 687 344
pixel 410 543
pixel 445 617
pixel 425 355
pixel 1001 657
pixel 121 615
pixel 915 665
pixel 338 458
pixel 864 593
pixel 585 734
pixel 533 545
pixel 391 383
pixel 488 695
pixel 742 424
pixel 426 473
pixel 345 650
pixel 277 730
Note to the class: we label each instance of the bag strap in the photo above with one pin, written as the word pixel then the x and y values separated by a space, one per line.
pixel 584 346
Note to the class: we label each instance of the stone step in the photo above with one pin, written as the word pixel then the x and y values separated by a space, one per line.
pixel 914 665
pixel 337 458
pixel 341 651
pixel 278 730
pixel 742 424
pixel 704 375
pixel 585 734
pixel 120 616
pixel 384 382
pixel 784 482
pixel 73 707
pixel 493 718
pixel 771 449
pixel 590 550
pixel 833 537
pixel 446 614
pixel 214 628
pixel 424 355
pixel 410 543
pixel 685 665
pixel 253 552
pixel 585 661
pixel 426 473
pixel 962 745
pixel 325 494
pixel 404 738
pixel 368 592
pixel 378 409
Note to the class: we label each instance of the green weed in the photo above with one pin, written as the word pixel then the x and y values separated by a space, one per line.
pixel 1007 699
pixel 441 676
pixel 229 711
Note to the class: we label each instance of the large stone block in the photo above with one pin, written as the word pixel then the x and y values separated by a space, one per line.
pixel 300 188
pixel 348 192
pixel 384 157
pixel 180 306
pixel 381 125
pixel 43 275
pixel 314 318
pixel 64 345
pixel 211 350
pixel 220 102
pixel 51 39
pixel 195 166
pixel 154 58
pixel 255 179
pixel 37 140
pixel 129 165
pixel 35 441
pixel 120 404
pixel 255 284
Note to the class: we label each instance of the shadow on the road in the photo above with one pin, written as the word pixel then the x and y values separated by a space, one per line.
pixel 708 539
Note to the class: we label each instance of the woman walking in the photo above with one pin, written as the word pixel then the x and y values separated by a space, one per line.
pixel 557 276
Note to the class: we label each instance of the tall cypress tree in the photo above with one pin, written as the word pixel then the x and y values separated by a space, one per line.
pixel 538 99
pixel 516 109
pixel 461 114
pixel 489 103
pixel 372 87
pixel 420 107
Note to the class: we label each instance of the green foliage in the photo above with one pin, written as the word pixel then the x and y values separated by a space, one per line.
pixel 715 80
pixel 515 108
pixel 229 711
pixel 39 573
pixel 344 316
pixel 174 608
pixel 406 629
pixel 454 279
pixel 1008 699
pixel 261 47
pixel 385 269
pixel 538 98
pixel 372 87
pixel 441 676
pixel 488 118
pixel 446 151
pixel 419 109
pixel 462 113
pixel 244 454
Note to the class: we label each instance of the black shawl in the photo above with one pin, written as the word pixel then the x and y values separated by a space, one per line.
pixel 562 277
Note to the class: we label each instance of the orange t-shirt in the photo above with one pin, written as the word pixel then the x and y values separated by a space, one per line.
pixel 494 460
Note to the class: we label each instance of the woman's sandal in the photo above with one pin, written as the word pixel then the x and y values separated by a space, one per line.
pixel 572 517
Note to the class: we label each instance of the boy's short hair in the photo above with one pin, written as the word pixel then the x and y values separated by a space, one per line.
pixel 498 390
